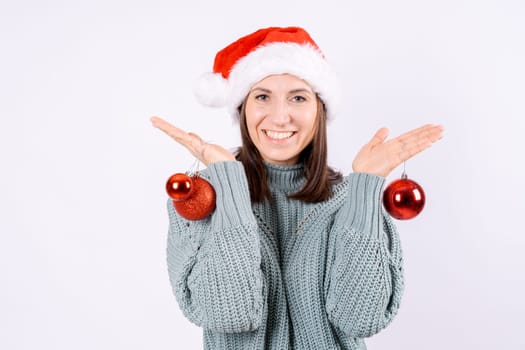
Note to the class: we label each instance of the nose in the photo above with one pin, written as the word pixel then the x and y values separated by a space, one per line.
pixel 280 112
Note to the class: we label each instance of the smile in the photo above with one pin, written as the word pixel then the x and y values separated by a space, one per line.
pixel 276 135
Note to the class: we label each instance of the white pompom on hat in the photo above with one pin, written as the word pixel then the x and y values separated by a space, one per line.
pixel 266 52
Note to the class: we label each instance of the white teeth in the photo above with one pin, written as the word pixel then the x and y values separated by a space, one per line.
pixel 278 135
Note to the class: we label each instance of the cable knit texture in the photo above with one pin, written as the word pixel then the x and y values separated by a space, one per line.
pixel 286 274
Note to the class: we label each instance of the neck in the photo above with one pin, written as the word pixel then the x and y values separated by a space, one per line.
pixel 285 177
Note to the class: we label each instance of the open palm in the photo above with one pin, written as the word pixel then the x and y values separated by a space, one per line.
pixel 380 157
pixel 207 153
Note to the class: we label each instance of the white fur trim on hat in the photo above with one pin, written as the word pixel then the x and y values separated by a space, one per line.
pixel 212 90
pixel 303 61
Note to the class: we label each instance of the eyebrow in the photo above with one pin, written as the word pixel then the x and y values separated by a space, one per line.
pixel 294 91
pixel 261 89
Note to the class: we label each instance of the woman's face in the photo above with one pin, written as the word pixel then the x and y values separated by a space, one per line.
pixel 281 113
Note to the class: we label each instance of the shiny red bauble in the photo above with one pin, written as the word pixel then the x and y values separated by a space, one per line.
pixel 403 198
pixel 179 187
pixel 201 202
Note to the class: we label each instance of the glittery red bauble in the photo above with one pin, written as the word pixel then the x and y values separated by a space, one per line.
pixel 404 199
pixel 179 186
pixel 200 203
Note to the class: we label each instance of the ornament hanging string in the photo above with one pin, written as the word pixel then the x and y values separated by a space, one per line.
pixel 194 168
pixel 196 165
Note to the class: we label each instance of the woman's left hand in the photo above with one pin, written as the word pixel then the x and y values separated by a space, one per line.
pixel 380 157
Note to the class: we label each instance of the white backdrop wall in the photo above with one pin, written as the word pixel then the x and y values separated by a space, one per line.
pixel 82 204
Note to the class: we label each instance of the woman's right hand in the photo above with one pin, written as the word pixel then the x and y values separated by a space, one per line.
pixel 207 153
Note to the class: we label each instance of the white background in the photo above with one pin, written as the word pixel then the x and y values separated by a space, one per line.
pixel 82 204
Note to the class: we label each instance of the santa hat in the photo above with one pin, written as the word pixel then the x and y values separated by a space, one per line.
pixel 265 52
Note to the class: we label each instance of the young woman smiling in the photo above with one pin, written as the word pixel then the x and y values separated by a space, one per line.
pixel 295 256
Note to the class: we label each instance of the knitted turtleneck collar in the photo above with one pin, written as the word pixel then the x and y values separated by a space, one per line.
pixel 285 177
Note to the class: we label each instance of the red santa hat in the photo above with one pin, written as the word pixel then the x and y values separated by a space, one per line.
pixel 265 52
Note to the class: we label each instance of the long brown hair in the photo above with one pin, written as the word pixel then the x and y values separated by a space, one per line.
pixel 319 176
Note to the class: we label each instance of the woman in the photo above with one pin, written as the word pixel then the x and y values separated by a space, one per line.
pixel 294 255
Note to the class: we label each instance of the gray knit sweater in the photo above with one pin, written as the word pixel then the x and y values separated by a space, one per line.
pixel 287 274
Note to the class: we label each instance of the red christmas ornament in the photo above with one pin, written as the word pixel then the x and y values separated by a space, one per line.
pixel 179 187
pixel 201 202
pixel 403 198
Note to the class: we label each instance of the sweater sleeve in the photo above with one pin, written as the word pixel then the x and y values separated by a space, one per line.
pixel 365 276
pixel 214 264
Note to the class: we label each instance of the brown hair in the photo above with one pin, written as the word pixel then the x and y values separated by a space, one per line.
pixel 319 176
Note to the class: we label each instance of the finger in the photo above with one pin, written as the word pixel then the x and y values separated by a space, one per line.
pixel 197 143
pixel 168 128
pixel 158 122
pixel 413 142
pixel 436 133
pixel 410 150
pixel 430 133
pixel 379 137
pixel 189 140
pixel 420 141
pixel 155 119
pixel 205 152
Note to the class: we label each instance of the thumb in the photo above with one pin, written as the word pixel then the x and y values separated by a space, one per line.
pixel 379 137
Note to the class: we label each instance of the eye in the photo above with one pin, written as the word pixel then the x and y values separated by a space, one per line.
pixel 262 97
pixel 298 98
